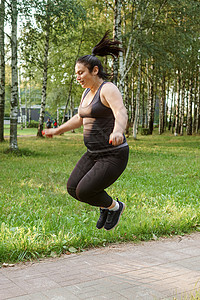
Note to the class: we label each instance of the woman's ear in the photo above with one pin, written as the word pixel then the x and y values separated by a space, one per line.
pixel 95 70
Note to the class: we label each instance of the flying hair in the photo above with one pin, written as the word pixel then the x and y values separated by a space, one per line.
pixel 107 47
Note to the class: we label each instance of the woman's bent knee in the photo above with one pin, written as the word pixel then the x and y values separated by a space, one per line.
pixel 72 191
pixel 82 194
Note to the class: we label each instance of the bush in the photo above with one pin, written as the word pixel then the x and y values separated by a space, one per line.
pixel 145 131
pixel 33 124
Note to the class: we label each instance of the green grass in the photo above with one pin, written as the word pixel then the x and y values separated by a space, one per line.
pixel 25 131
pixel 160 188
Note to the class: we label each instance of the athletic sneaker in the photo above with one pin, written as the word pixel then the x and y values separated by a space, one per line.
pixel 102 218
pixel 114 217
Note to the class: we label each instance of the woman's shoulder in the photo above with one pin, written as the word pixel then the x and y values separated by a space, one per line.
pixel 109 86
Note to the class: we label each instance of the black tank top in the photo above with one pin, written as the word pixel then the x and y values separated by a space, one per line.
pixel 98 124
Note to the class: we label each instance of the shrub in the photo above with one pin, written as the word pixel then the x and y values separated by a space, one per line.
pixel 33 124
pixel 145 131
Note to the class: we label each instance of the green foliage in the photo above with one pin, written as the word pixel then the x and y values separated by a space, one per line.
pixel 145 131
pixel 160 188
pixel 33 124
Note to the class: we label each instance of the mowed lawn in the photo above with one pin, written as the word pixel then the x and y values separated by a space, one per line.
pixel 160 187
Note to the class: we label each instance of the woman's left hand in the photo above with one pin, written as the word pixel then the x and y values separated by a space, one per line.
pixel 116 138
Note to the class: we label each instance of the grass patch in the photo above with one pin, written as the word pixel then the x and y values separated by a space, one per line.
pixel 25 131
pixel 160 188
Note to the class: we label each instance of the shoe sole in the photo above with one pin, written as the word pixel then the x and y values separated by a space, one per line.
pixel 118 219
pixel 99 227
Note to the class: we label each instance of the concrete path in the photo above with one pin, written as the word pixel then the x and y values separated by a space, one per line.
pixel 163 269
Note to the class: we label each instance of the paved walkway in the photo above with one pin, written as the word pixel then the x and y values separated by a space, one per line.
pixel 163 269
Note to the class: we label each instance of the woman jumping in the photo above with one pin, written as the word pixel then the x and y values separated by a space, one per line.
pixel 104 118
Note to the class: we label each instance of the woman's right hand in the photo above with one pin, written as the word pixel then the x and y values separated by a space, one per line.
pixel 49 132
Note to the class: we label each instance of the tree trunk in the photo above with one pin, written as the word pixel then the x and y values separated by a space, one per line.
pixel 189 116
pixel 117 36
pixel 176 132
pixel 2 70
pixel 72 78
pixel 14 87
pixel 137 102
pixel 143 108
pixel 25 92
pixel 198 104
pixel 170 116
pixel 173 106
pixel 182 108
pixel 29 109
pixel 150 105
pixel 132 100
pixel 44 85
pixel 162 108
pixel 195 121
pixel 20 100
pixel 58 115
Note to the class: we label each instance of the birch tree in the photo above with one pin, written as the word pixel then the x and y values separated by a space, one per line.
pixel 150 98
pixel 72 76
pixel 2 70
pixel 182 108
pixel 44 80
pixel 177 121
pixel 137 101
pixel 117 36
pixel 53 18
pixel 189 116
pixel 14 86
pixel 198 102
pixel 19 97
pixel 162 106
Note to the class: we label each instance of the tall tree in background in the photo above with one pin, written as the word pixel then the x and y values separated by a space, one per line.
pixel 135 123
pixel 189 116
pixel 53 18
pixel 14 87
pixel 2 70
pixel 117 35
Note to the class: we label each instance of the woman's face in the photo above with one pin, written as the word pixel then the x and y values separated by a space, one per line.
pixel 84 76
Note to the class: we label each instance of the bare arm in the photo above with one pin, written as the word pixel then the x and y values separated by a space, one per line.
pixel 112 98
pixel 75 122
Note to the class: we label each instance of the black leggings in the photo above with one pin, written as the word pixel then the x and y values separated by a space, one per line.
pixel 95 172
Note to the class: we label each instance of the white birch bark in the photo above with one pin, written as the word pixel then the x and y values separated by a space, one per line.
pixel 57 115
pixel 195 104
pixel 198 104
pixel 162 107
pixel 135 123
pixel 72 77
pixel 29 109
pixel 14 86
pixel 182 107
pixel 2 70
pixel 150 99
pixel 20 100
pixel 44 85
pixel 117 36
pixel 173 105
pixel 189 116
pixel 176 130
pixel 132 99
pixel 25 92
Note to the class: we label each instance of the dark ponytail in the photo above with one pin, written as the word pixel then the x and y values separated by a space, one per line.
pixel 107 47
pixel 103 48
